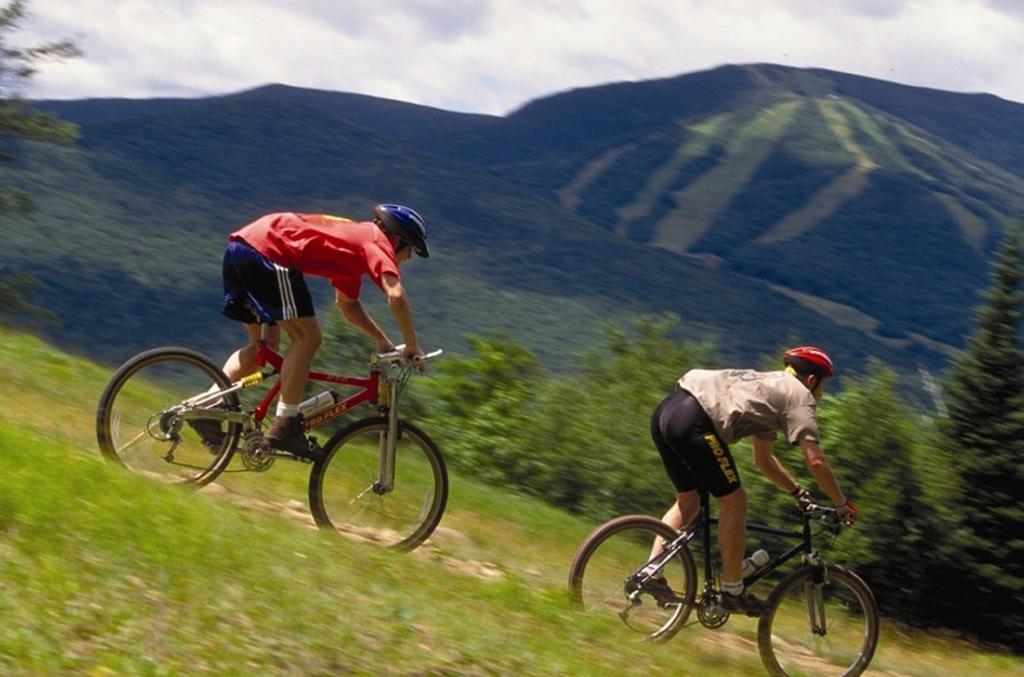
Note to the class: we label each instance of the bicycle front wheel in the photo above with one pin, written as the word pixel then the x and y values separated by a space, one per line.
pixel 821 622
pixel 139 423
pixel 601 578
pixel 346 495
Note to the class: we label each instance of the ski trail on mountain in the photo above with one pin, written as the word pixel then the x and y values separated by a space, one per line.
pixel 570 196
pixel 829 199
pixel 701 201
pixel 697 143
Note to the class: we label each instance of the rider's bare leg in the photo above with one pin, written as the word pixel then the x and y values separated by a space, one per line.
pixel 681 514
pixel 243 361
pixel 305 338
pixel 732 533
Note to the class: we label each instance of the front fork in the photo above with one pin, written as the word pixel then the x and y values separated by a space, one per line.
pixel 814 593
pixel 388 444
pixel 388 439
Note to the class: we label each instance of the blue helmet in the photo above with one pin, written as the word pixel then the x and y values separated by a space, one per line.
pixel 404 224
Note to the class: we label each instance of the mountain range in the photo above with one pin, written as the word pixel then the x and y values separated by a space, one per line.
pixel 762 204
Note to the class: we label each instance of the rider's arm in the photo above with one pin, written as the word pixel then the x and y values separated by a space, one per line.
pixel 821 471
pixel 357 316
pixel 765 458
pixel 398 302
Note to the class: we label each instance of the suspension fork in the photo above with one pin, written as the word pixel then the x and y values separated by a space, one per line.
pixel 814 591
pixel 388 443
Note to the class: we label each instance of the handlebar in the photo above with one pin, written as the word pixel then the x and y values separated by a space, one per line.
pixel 820 512
pixel 396 355
pixel 829 516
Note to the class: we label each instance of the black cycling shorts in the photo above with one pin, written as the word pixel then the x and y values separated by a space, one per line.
pixel 693 454
pixel 257 290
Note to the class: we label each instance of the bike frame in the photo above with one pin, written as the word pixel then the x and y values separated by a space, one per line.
pixel 369 389
pixel 705 521
pixel 378 388
pixel 702 528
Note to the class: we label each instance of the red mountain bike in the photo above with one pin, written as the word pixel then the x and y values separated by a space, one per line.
pixel 379 477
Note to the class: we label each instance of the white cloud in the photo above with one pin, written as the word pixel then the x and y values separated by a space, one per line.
pixel 495 55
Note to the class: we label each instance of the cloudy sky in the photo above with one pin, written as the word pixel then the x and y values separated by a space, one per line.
pixel 492 56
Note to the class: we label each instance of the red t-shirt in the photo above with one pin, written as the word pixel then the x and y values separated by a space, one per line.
pixel 326 246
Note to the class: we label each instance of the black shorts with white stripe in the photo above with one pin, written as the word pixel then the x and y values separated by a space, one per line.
pixel 258 290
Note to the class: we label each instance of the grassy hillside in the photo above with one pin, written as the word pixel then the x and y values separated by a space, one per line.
pixel 102 572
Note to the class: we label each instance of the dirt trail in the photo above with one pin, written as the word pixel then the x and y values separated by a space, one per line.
pixel 432 549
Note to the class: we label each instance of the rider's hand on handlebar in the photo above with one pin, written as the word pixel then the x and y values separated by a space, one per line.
pixel 803 499
pixel 385 346
pixel 413 354
pixel 847 513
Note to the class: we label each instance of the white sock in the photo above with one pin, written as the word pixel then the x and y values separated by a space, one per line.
pixel 287 410
pixel 734 588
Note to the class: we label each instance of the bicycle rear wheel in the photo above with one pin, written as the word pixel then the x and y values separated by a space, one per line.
pixel 139 423
pixel 345 495
pixel 601 575
pixel 822 622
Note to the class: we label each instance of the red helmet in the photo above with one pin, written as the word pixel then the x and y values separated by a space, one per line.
pixel 809 359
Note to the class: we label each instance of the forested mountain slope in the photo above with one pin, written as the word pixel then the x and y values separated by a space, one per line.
pixel 763 204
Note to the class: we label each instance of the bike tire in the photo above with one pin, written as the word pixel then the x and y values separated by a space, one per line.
pixel 786 640
pixel 341 497
pixel 610 555
pixel 147 384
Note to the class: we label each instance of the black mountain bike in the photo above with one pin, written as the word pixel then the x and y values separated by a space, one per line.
pixel 823 618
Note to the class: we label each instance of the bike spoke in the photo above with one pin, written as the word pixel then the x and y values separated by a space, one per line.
pixel 827 628
pixel 135 440
pixel 139 424
pixel 612 574
pixel 345 492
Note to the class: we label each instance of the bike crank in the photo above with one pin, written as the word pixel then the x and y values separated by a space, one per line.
pixel 709 612
pixel 256 455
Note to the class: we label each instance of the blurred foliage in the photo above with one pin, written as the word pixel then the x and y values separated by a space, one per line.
pixel 16 290
pixel 571 439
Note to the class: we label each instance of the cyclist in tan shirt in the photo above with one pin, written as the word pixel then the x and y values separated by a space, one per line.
pixel 711 409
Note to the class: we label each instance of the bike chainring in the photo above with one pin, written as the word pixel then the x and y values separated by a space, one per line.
pixel 709 613
pixel 256 456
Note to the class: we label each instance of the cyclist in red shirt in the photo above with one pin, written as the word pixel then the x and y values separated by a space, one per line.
pixel 711 409
pixel 264 267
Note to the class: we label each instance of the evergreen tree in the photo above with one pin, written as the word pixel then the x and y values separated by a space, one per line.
pixel 984 435
pixel 17 119
pixel 17 122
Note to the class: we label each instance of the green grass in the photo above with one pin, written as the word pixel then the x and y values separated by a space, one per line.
pixel 103 572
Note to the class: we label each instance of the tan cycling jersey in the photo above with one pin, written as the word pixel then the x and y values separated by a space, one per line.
pixel 744 402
